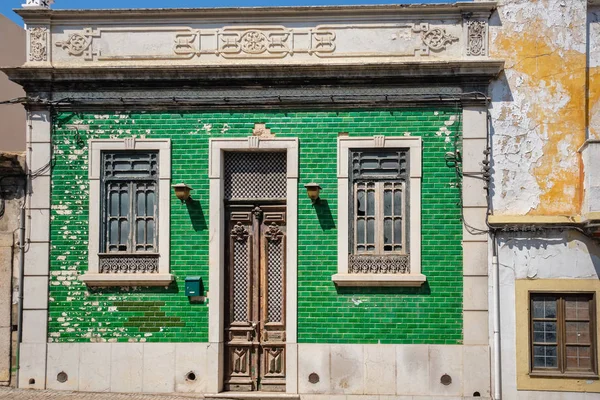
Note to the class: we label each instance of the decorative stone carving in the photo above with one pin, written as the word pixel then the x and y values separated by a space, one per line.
pixel 38 41
pixel 476 33
pixel 254 42
pixel 38 3
pixel 80 44
pixel 258 42
pixel 436 39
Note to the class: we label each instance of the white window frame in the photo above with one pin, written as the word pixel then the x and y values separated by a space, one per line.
pixel 345 146
pixel 93 277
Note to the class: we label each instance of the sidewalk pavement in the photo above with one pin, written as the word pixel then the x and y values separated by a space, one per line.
pixel 30 394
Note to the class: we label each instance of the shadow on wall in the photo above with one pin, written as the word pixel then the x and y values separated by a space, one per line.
pixel 324 214
pixel 196 215
pixel 12 176
pixel 569 252
pixel 364 290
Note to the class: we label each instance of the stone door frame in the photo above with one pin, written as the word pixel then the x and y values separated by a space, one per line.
pixel 216 276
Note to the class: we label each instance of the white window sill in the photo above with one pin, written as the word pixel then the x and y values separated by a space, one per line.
pixel 410 280
pixel 127 279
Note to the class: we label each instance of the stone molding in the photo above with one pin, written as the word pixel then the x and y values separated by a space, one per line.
pixel 191 37
pixel 93 276
pixel 216 278
pixel 417 39
pixel 344 146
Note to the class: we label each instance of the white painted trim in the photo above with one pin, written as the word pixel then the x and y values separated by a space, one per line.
pixel 96 146
pixel 216 276
pixel 345 144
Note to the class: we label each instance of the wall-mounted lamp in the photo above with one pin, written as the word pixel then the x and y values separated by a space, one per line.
pixel 313 190
pixel 182 191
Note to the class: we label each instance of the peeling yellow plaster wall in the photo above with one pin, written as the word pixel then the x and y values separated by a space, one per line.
pixel 540 116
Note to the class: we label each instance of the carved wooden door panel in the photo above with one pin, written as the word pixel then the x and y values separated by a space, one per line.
pixel 255 299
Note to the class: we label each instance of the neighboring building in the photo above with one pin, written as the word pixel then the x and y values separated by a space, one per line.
pixel 12 54
pixel 12 147
pixel 377 286
pixel 546 184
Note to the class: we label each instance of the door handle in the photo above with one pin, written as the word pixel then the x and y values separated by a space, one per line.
pixel 254 325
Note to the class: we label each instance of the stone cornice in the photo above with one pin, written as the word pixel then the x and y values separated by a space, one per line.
pixel 481 71
pixel 477 9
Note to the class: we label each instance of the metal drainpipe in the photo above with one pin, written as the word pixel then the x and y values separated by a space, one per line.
pixel 22 246
pixel 496 316
pixel 21 279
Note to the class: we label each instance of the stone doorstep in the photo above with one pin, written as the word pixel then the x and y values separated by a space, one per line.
pixel 251 396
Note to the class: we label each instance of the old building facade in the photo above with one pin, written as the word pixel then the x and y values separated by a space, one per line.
pixel 12 188
pixel 317 201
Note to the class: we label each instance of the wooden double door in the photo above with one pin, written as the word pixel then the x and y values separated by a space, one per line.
pixel 255 298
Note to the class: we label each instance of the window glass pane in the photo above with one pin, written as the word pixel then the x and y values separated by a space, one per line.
pixel 398 231
pixel 150 234
pixel 360 231
pixel 113 232
pixel 544 307
pixel 390 164
pixel 544 332
pixel 124 203
pixel 545 356
pixel 124 233
pixel 397 202
pixel 141 203
pixel 387 232
pixel 360 203
pixel 387 203
pixel 578 332
pixel 579 357
pixel 141 231
pixel 371 202
pixel 577 308
pixel 114 202
pixel 371 231
pixel 150 203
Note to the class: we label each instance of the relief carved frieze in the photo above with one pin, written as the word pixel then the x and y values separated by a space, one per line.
pixel 254 42
pixel 434 39
pixel 259 42
pixel 80 43
pixel 38 44
pixel 476 38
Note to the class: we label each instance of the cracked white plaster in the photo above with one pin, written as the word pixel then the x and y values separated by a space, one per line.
pixel 519 101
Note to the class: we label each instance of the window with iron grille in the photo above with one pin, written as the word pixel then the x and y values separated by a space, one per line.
pixel 378 211
pixel 562 334
pixel 130 192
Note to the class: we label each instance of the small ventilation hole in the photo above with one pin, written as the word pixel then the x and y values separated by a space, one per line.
pixel 446 379
pixel 313 378
pixel 32 381
pixel 62 377
pixel 190 376
pixel 476 394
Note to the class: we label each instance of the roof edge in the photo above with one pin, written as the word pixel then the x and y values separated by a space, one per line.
pixel 478 7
